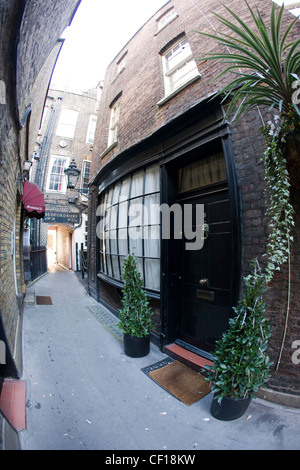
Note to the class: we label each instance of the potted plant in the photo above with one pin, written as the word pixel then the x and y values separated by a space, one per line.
pixel 135 316
pixel 241 363
pixel 266 70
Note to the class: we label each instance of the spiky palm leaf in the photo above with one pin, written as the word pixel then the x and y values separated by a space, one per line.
pixel 265 64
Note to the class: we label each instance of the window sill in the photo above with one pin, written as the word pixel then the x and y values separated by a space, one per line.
pixel 178 90
pixel 114 144
pixel 120 285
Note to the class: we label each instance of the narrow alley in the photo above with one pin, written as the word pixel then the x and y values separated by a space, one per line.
pixel 84 393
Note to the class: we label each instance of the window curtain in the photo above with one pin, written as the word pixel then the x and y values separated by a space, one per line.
pixel 205 172
pixel 132 224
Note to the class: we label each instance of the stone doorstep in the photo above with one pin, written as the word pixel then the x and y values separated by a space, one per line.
pixel 194 361
pixel 29 299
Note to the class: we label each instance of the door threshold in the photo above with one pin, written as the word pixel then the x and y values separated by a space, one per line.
pixel 189 358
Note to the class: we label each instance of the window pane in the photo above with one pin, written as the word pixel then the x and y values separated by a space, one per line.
pixel 91 130
pixel 202 173
pixel 152 273
pixel 113 126
pixel 106 243
pixel 116 191
pixel 151 209
pixel 123 214
pixel 133 224
pixel 115 266
pixel 137 184
pixel 122 259
pixel 136 212
pixel 123 242
pixel 109 197
pixel 57 176
pixel 108 263
pixel 135 241
pixel 167 18
pixel 107 218
pixel 179 66
pixel 152 241
pixel 113 242
pixel 85 178
pixel 139 265
pixel 125 189
pixel 101 262
pixel 152 179
pixel 67 123
pixel 104 264
pixel 113 217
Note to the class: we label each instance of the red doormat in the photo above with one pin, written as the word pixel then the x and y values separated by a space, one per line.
pixel 181 381
pixel 43 300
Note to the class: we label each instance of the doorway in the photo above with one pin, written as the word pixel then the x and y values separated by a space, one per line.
pixel 205 276
pixel 52 247
pixel 202 282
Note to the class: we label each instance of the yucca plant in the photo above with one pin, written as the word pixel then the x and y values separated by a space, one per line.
pixel 265 67
pixel 265 63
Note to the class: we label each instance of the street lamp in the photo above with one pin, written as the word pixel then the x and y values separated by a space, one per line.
pixel 72 173
pixel 25 170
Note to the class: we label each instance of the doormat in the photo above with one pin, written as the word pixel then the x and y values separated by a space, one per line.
pixel 179 380
pixel 43 300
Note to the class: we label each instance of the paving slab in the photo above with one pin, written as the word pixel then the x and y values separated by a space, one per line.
pixel 84 393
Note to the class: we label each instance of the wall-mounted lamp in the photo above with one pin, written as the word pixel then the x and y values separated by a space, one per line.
pixel 72 173
pixel 25 171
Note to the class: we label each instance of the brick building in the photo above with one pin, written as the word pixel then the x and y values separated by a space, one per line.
pixel 160 139
pixel 29 45
pixel 66 134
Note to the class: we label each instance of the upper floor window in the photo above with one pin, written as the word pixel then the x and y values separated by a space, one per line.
pixel 91 129
pixel 122 63
pixel 67 123
pixel 166 18
pixel 179 66
pixel 85 175
pixel 56 176
pixel 114 122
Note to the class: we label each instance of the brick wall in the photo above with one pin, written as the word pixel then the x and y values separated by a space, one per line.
pixel 28 33
pixel 141 83
pixel 48 143
pixel 141 88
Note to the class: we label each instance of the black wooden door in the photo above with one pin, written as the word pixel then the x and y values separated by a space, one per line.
pixel 205 276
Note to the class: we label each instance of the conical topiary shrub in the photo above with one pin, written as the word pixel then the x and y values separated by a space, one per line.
pixel 136 314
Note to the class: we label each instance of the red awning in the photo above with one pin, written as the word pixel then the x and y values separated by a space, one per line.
pixel 34 201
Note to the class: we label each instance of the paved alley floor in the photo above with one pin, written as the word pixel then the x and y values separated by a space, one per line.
pixel 84 393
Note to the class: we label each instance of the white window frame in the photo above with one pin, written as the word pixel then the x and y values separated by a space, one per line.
pixel 85 233
pixel 67 123
pixel 84 179
pixel 63 177
pixel 114 123
pixel 122 65
pixel 179 66
pixel 166 19
pixel 90 135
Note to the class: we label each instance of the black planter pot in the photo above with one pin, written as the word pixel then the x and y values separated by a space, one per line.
pixel 229 408
pixel 136 347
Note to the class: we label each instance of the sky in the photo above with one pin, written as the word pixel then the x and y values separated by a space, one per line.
pixel 99 30
pixel 97 33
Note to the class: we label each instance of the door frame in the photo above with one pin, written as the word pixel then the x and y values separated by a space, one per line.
pixel 169 248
